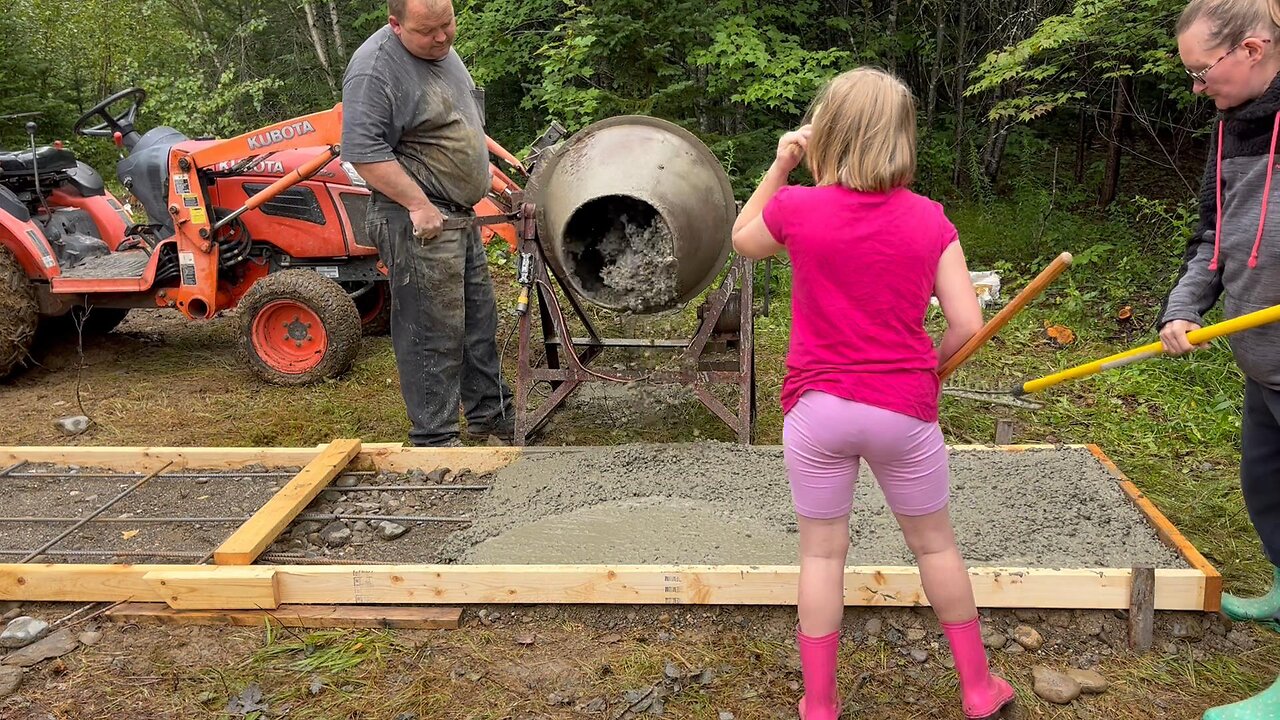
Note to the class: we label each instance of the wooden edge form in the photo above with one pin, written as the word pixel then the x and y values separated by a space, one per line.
pixel 260 530
pixel 393 457
pixel 1181 589
pixel 477 459
pixel 149 458
pixel 299 616
pixel 214 588
pixel 1169 533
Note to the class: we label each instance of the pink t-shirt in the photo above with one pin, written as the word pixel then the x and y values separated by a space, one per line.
pixel 863 268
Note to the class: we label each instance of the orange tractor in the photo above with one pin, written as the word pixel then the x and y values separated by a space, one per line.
pixel 270 223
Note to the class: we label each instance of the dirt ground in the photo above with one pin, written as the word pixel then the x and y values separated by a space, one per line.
pixel 160 380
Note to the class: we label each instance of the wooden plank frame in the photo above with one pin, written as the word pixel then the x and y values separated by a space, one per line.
pixel 428 617
pixel 1197 588
pixel 1167 532
pixel 251 538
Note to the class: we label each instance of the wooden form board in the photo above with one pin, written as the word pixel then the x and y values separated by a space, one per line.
pixel 250 539
pixel 1168 532
pixel 260 586
pixel 299 616
pixel 385 456
pixel 1197 588
pixel 199 587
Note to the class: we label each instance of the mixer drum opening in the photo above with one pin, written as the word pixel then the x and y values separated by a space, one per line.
pixel 621 252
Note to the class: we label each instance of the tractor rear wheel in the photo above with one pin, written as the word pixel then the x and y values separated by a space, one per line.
pixel 298 328
pixel 99 320
pixel 19 313
pixel 375 310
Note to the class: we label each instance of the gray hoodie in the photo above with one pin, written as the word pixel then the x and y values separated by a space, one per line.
pixel 1234 248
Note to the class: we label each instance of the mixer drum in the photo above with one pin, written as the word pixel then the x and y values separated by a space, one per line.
pixel 634 214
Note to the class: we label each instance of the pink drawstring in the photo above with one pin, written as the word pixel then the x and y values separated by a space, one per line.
pixel 1217 230
pixel 1266 197
pixel 1266 193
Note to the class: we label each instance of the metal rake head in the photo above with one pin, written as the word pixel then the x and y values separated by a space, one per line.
pixel 992 397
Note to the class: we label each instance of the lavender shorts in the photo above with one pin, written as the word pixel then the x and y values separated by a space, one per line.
pixel 824 437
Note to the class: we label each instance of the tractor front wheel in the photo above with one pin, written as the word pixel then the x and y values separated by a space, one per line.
pixel 19 313
pixel 299 327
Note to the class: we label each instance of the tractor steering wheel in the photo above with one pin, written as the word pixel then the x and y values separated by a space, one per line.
pixel 122 123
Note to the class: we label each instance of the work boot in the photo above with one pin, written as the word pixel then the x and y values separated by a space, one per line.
pixel 504 430
pixel 1263 706
pixel 449 443
pixel 1263 609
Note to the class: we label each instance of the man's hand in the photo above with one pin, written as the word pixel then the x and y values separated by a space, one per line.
pixel 1174 337
pixel 427 222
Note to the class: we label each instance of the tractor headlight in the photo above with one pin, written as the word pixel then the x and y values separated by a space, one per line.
pixel 350 170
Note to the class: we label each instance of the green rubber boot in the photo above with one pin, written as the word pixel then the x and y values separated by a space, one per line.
pixel 1264 608
pixel 1263 706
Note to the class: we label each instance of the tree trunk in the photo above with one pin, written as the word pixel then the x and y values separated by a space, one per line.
pixel 339 47
pixel 962 39
pixel 893 35
pixel 317 42
pixel 935 73
pixel 1120 112
pixel 993 151
pixel 1082 145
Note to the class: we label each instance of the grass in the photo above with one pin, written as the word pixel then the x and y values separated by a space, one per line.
pixel 488 673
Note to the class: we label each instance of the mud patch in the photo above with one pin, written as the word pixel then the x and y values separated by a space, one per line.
pixel 722 503
pixel 622 254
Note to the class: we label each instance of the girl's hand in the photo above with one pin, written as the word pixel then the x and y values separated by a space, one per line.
pixel 792 147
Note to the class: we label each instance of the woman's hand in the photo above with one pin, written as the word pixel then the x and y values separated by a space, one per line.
pixel 1174 337
pixel 792 147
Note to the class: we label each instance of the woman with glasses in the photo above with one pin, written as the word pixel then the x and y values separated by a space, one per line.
pixel 1228 48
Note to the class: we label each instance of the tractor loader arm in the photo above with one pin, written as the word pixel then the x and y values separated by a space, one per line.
pixel 194 227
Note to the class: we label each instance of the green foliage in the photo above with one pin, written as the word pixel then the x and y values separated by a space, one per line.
pixel 1074 57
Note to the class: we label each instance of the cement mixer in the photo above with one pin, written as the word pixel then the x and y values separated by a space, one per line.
pixel 634 215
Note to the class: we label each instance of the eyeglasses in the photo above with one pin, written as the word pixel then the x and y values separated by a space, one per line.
pixel 1198 76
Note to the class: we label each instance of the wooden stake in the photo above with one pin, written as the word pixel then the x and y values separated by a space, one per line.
pixel 1142 609
pixel 1004 432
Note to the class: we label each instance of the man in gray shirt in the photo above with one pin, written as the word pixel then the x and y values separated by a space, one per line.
pixel 413 127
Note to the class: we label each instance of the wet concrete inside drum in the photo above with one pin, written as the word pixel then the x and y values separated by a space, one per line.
pixel 621 252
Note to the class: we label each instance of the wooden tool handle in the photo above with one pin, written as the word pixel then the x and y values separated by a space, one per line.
pixel 1002 318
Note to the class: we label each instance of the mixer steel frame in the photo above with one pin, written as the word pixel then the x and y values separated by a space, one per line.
pixel 697 372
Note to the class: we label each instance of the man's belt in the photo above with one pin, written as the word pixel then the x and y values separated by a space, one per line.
pixel 464 223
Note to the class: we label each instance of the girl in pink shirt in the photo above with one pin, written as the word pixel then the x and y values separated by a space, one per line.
pixel 862 383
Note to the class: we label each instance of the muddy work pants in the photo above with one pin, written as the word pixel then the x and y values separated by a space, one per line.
pixel 1260 464
pixel 444 323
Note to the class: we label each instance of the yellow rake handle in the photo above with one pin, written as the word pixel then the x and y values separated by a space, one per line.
pixel 1195 337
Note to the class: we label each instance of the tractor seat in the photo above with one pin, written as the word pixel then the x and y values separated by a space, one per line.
pixel 47 159
pixel 145 171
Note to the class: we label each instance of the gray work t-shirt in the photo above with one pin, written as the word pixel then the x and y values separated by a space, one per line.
pixel 427 114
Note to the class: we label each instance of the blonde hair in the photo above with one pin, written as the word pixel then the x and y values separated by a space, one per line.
pixel 864 132
pixel 1231 21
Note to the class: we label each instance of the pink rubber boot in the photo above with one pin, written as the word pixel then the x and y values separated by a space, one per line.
pixel 818 665
pixel 982 693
